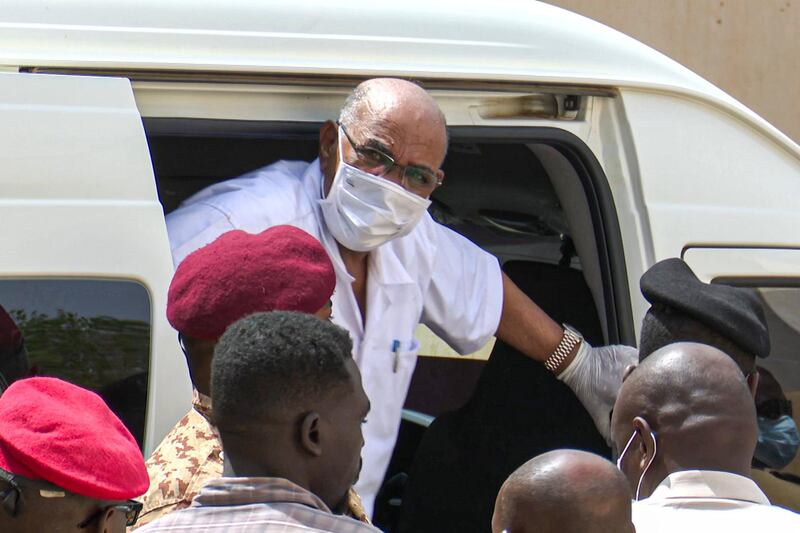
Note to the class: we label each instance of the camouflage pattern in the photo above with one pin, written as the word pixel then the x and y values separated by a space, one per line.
pixel 188 457
pixel 355 509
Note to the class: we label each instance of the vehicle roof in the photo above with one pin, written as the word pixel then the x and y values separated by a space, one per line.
pixel 501 40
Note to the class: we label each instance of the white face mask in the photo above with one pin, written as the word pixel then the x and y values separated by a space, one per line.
pixel 363 211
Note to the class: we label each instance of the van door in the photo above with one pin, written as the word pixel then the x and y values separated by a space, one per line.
pixel 86 262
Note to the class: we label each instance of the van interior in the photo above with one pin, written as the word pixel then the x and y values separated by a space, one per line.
pixel 520 196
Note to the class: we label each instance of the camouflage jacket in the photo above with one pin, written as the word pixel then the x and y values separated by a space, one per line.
pixel 188 457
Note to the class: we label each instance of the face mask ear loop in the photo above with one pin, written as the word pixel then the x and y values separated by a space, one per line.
pixel 652 458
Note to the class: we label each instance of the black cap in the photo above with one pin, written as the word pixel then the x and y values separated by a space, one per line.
pixel 733 312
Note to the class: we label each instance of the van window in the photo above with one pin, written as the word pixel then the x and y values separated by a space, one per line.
pixel 782 305
pixel 94 333
pixel 782 308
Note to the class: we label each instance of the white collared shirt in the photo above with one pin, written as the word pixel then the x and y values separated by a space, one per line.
pixel 432 275
pixel 706 501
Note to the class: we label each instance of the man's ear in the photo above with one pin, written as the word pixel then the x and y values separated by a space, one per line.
pixel 328 149
pixel 647 445
pixel 111 521
pixel 752 382
pixel 310 440
pixel 627 372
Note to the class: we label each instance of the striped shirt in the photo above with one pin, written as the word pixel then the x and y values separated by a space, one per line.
pixel 263 504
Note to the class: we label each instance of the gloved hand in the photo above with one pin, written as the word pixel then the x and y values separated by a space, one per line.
pixel 595 376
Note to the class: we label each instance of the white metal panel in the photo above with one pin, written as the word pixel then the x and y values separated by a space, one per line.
pixel 78 200
pixel 504 40
pixel 708 178
pixel 459 38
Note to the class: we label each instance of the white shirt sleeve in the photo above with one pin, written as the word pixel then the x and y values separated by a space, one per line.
pixel 464 299
pixel 193 226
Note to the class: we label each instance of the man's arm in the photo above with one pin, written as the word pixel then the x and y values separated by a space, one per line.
pixel 526 327
pixel 593 374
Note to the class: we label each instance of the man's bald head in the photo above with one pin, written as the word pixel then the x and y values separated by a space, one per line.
pixel 377 96
pixel 564 491
pixel 396 108
pixel 696 402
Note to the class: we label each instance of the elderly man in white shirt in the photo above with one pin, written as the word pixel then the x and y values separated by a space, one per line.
pixel 686 427
pixel 366 200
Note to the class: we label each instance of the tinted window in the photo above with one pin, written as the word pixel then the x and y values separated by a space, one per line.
pixel 782 306
pixel 95 333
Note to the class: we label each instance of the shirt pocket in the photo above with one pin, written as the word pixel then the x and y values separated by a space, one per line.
pixel 403 360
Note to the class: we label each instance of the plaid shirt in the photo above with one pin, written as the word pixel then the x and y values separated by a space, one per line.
pixel 257 504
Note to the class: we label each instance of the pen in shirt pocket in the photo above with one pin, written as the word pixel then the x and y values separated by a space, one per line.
pixel 395 354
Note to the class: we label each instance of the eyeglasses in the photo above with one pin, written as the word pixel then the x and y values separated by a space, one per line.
pixel 130 509
pixel 11 500
pixel 418 180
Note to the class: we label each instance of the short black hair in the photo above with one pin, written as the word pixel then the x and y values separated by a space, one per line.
pixel 663 325
pixel 272 360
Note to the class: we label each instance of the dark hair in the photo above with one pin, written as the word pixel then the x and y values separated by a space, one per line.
pixel 663 326
pixel 269 361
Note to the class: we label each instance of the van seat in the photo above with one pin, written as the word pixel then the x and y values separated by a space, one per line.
pixel 518 410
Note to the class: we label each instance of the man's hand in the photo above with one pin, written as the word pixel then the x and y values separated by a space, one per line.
pixel 595 376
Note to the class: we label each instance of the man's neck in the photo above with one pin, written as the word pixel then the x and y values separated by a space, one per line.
pixel 350 257
pixel 245 468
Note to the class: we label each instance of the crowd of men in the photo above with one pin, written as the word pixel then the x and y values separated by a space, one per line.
pixel 296 293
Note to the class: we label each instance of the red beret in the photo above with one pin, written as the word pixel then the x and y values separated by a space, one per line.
pixel 280 269
pixel 66 435
pixel 10 337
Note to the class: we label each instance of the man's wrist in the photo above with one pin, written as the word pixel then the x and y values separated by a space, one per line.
pixel 565 351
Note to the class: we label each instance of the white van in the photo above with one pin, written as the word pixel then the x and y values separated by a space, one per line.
pixel 575 151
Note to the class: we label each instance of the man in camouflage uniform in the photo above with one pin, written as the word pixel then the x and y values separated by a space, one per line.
pixel 282 268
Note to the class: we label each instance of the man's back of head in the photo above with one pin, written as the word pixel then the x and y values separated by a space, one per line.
pixel 289 403
pixel 564 491
pixel 686 407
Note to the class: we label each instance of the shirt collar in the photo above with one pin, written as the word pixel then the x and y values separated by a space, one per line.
pixel 202 404
pixel 230 491
pixel 708 484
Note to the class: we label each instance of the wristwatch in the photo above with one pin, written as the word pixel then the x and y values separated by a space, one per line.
pixel 569 340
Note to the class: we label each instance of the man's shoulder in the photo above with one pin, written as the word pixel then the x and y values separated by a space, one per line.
pixel 192 434
pixel 269 196
pixel 277 185
pixel 268 516
pixel 188 457
pixel 430 238
pixel 648 514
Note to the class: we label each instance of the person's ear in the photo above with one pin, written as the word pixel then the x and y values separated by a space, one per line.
pixel 752 382
pixel 647 444
pixel 310 440
pixel 628 371
pixel 111 521
pixel 328 153
pixel 328 143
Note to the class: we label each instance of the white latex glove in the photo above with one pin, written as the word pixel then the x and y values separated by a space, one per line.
pixel 595 376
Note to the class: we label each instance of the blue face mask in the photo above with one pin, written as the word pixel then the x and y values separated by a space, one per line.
pixel 778 441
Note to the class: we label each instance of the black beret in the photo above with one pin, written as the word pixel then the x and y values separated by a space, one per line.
pixel 734 312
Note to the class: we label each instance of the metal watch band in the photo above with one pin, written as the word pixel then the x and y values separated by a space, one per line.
pixel 569 340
